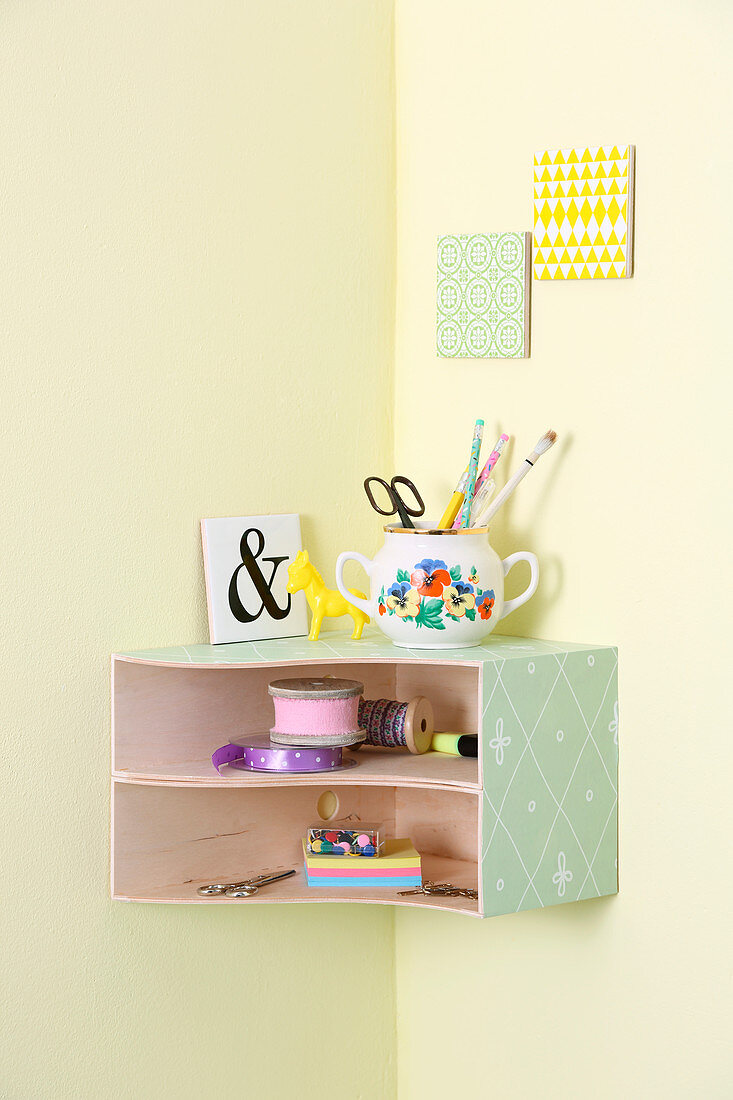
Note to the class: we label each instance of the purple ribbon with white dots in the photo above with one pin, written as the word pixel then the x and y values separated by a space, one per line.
pixel 258 754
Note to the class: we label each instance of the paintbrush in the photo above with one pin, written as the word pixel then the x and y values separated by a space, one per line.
pixel 541 446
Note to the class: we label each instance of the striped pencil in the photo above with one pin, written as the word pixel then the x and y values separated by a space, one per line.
pixel 481 482
pixel 478 432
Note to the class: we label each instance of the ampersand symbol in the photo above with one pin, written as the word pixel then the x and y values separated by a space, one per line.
pixel 263 586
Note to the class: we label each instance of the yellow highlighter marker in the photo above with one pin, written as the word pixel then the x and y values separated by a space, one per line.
pixel 446 520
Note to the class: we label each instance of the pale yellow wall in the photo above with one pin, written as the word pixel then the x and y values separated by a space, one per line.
pixel 196 257
pixel 627 997
pixel 196 276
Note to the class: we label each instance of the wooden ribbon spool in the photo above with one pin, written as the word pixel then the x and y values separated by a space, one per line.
pixel 391 724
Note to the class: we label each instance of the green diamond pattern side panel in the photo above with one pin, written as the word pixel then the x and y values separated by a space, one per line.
pixel 550 769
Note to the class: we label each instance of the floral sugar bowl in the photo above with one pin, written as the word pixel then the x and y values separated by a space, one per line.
pixel 437 589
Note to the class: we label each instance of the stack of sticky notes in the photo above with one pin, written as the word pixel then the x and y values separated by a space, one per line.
pixel 398 867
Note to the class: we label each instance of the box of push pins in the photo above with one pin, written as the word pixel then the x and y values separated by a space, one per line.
pixel 344 838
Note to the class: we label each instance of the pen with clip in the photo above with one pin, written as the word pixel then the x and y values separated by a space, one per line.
pixel 484 484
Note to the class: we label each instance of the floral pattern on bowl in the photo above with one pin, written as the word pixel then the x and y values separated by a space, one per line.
pixel 432 592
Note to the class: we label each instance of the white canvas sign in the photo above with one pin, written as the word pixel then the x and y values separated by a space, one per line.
pixel 246 562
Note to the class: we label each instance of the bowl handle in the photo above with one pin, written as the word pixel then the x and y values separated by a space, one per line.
pixel 367 606
pixel 534 580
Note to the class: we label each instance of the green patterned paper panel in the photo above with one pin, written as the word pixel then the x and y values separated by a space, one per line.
pixel 550 761
pixel 338 645
pixel 483 296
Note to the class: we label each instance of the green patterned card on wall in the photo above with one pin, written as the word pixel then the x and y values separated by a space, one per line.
pixel 483 296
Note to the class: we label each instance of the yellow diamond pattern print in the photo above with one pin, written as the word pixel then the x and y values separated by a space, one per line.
pixel 583 212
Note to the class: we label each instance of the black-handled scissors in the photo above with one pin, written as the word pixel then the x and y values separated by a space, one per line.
pixel 397 504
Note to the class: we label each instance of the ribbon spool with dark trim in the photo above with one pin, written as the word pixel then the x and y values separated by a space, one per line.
pixel 391 724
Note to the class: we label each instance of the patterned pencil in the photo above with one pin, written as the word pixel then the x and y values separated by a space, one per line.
pixel 478 432
pixel 491 461
pixel 482 481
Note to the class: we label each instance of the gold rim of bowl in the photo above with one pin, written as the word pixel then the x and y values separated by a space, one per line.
pixel 435 530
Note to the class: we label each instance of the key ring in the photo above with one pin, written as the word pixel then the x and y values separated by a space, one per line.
pixel 441 889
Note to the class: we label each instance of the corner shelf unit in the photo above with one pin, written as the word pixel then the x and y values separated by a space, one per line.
pixel 531 822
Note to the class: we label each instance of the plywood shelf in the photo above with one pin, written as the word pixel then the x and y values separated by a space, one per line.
pixel 295 889
pixel 541 796
pixel 375 766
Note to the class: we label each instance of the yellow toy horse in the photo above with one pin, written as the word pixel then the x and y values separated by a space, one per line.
pixel 321 600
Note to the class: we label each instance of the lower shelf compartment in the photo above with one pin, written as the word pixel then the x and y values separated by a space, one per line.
pixel 437 868
pixel 169 840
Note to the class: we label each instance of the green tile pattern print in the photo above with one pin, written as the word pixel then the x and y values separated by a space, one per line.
pixel 483 296
pixel 550 770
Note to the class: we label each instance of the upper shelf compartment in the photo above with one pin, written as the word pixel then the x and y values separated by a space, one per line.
pixel 169 719
pixel 173 707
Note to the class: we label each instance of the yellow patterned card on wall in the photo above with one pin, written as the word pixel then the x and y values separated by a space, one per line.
pixel 584 212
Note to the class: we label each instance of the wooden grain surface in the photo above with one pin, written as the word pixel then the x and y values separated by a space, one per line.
pixel 177 824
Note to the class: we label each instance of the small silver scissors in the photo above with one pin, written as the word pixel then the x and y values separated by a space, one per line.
pixel 397 504
pixel 241 889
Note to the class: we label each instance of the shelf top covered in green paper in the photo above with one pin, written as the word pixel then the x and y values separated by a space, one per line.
pixel 339 647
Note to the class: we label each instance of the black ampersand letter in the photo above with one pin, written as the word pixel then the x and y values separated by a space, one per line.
pixel 263 586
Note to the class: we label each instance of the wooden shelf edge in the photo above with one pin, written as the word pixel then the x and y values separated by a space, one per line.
pixel 357 659
pixel 317 779
pixel 446 905
pixel 295 890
